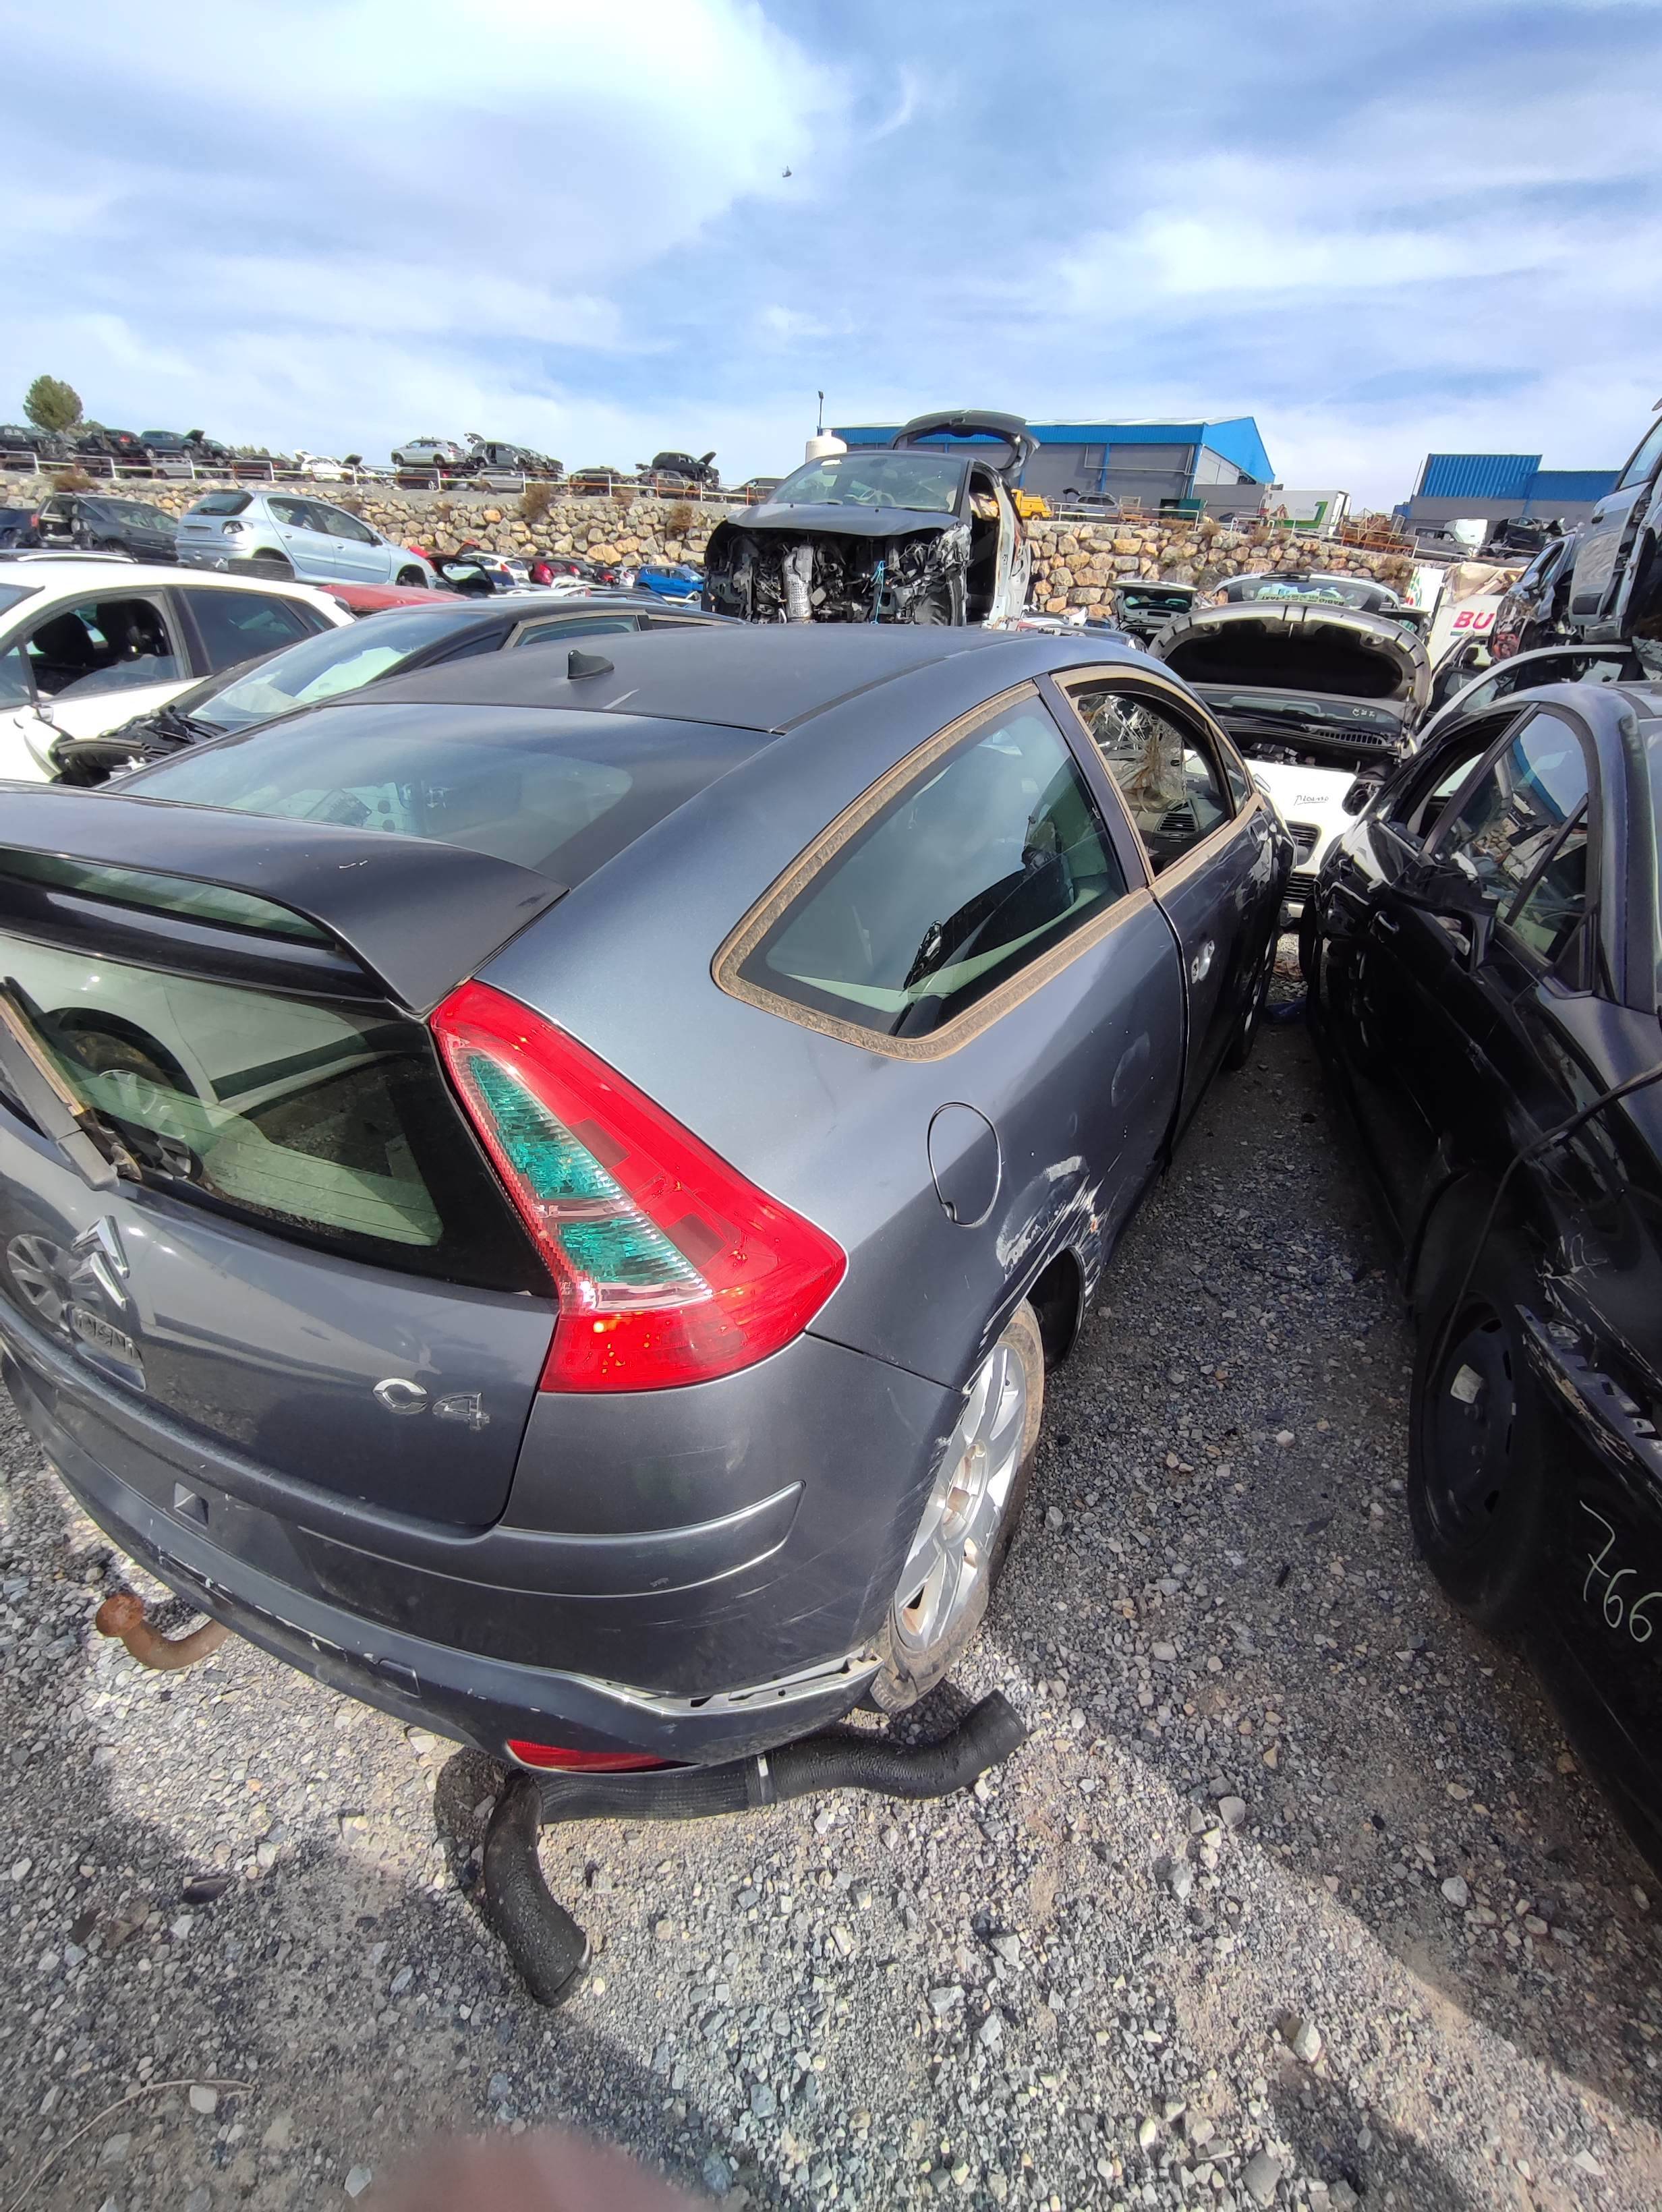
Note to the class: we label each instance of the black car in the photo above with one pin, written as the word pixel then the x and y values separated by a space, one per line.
pixel 20 439
pixel 98 442
pixel 669 469
pixel 394 643
pixel 101 523
pixel 1481 953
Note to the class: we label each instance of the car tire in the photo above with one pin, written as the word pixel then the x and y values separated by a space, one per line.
pixel 411 577
pixel 273 564
pixel 969 1522
pixel 1479 1438
pixel 1247 1029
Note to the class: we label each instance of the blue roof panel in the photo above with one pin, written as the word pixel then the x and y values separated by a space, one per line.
pixel 1571 484
pixel 1478 475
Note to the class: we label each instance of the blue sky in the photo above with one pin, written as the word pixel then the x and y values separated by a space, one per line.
pixel 337 223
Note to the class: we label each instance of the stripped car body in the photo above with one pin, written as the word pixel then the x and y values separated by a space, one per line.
pixel 903 533
pixel 1321 698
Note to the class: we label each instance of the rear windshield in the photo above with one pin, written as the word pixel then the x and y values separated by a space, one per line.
pixel 322 667
pixel 132 514
pixel 1325 591
pixel 221 502
pixel 559 792
pixel 325 1122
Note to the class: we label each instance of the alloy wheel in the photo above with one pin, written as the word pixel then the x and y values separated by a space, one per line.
pixel 954 1548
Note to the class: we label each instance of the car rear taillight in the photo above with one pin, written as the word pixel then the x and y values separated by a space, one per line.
pixel 558 1759
pixel 671 1266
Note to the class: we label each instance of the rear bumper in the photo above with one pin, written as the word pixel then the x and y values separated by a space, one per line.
pixel 699 1642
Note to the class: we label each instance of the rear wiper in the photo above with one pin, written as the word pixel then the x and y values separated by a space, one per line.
pixel 57 1110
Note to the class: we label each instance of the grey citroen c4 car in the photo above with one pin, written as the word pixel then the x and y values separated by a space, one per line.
pixel 543 1192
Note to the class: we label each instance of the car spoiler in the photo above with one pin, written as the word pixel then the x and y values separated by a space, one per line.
pixel 1010 430
pixel 403 917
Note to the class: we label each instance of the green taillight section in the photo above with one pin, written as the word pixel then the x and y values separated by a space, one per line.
pixel 608 1239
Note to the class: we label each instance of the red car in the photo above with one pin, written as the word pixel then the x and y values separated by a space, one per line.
pixel 370 599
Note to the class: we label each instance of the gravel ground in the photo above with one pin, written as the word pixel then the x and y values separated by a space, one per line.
pixel 1296 1894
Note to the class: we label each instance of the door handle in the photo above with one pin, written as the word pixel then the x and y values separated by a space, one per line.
pixel 1385 924
pixel 1200 964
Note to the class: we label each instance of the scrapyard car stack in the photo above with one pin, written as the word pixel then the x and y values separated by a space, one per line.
pixel 908 533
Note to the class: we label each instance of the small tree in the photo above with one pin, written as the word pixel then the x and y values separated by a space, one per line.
pixel 51 405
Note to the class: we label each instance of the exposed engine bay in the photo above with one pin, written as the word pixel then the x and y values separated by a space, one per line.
pixel 920 576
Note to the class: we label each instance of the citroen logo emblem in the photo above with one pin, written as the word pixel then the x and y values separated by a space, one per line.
pixel 102 1259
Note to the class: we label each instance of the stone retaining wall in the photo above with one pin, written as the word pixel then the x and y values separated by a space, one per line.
pixel 1074 564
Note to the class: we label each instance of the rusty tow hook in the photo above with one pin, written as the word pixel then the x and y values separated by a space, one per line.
pixel 123 1616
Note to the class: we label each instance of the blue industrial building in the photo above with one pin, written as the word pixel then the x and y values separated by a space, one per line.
pixel 1492 486
pixel 1222 464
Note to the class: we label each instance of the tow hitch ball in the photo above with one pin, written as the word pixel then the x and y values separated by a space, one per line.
pixel 551 1951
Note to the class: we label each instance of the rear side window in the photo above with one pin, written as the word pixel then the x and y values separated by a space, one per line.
pixel 221 502
pixel 986 861
pixel 1168 777
pixel 1641 468
pixel 236 626
pixel 103 645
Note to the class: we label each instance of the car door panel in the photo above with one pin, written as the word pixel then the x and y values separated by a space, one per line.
pixel 1602 562
pixel 1213 863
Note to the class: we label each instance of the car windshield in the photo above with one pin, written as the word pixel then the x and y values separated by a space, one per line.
pixel 133 514
pixel 1328 591
pixel 928 483
pixel 323 667
pixel 558 791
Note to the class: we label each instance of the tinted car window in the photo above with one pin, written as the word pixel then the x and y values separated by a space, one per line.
pixel 555 633
pixel 292 512
pixel 103 644
pixel 1526 674
pixel 994 855
pixel 235 626
pixel 1167 773
pixel 1639 468
pixel 556 792
pixel 1508 824
pixel 221 502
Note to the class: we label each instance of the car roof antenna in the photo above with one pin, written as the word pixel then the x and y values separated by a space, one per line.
pixel 586 663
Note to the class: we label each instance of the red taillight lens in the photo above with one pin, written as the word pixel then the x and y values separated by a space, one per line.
pixel 671 1266
pixel 559 1759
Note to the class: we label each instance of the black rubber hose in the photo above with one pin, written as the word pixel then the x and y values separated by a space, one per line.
pixel 543 1940
pixel 841 1759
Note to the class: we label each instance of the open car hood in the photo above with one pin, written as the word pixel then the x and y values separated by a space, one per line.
pixel 839 521
pixel 1010 430
pixel 1288 647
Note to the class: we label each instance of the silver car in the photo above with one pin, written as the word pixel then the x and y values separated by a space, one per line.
pixel 290 533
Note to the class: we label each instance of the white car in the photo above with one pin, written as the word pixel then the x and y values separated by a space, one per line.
pixel 1323 701
pixel 318 468
pixel 86 644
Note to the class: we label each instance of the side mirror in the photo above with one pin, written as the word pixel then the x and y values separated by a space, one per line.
pixel 1450 896
pixel 1362 793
